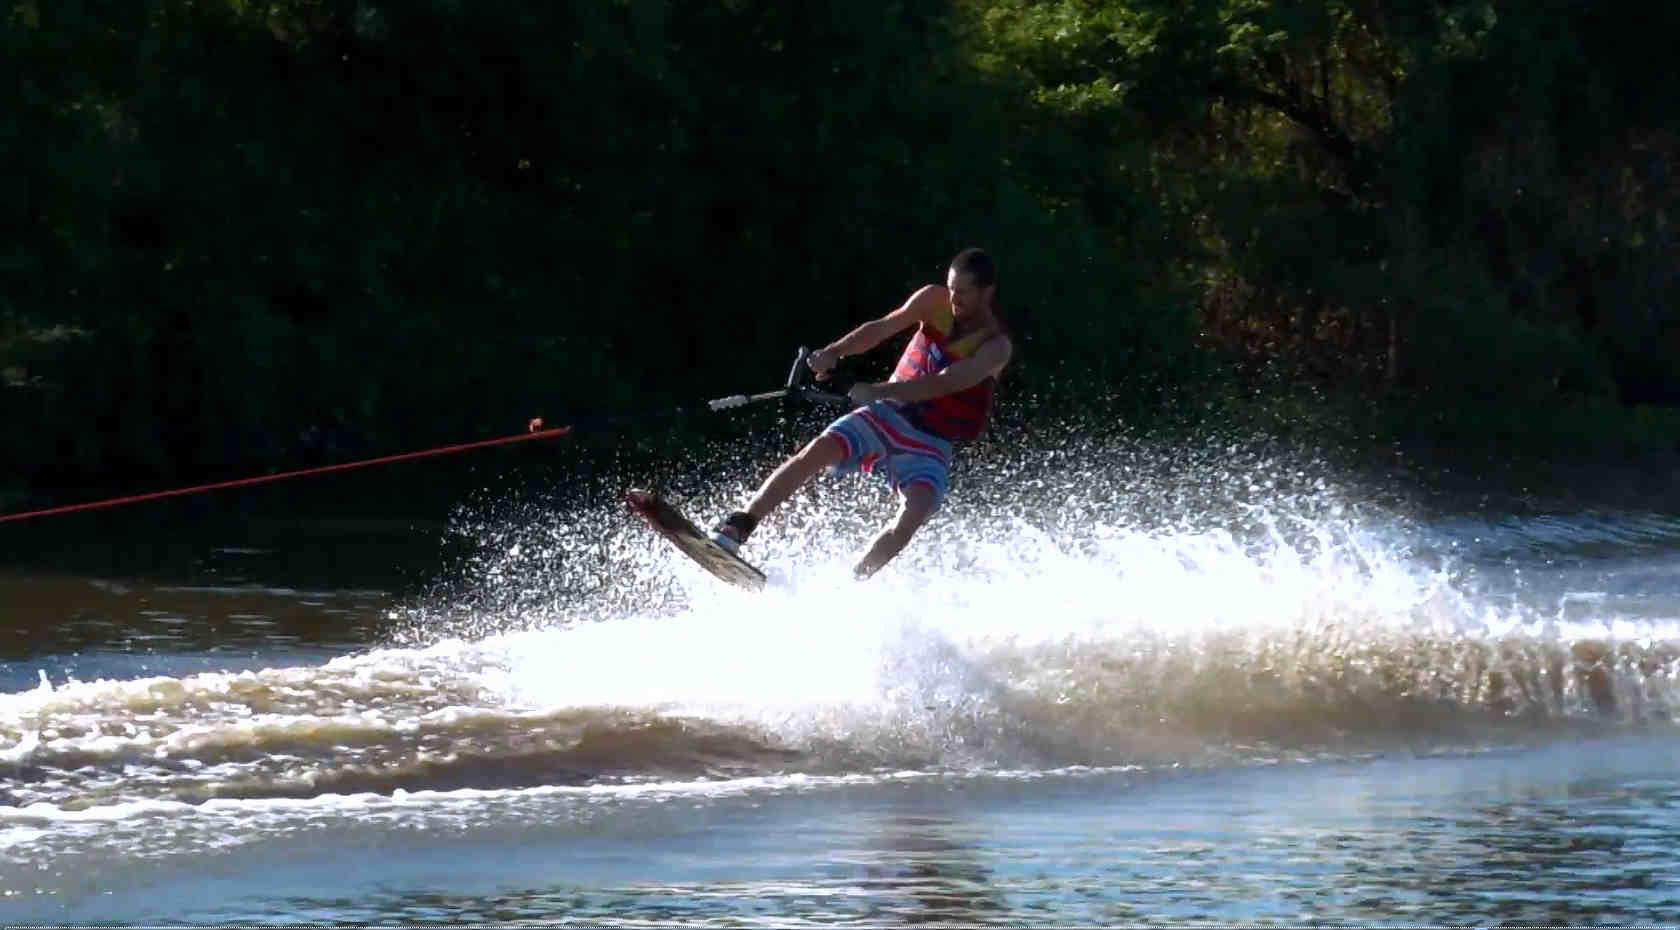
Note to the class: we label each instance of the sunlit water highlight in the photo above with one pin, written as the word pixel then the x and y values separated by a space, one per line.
pixel 1116 634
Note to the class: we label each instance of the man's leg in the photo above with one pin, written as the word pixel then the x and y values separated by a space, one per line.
pixel 827 450
pixel 918 505
pixel 822 452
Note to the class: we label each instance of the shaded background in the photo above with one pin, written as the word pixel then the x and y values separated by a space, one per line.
pixel 249 236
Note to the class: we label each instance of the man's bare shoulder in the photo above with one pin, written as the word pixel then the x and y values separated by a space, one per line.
pixel 928 304
pixel 996 351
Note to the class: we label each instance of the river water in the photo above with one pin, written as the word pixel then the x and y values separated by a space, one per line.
pixel 1115 685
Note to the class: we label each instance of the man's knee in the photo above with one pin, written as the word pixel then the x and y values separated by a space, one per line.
pixel 920 500
pixel 824 451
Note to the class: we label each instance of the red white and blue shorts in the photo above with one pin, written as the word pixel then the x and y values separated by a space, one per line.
pixel 879 440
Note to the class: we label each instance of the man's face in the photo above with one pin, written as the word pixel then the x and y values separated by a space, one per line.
pixel 966 296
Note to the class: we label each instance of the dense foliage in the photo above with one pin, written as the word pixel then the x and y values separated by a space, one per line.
pixel 1462 205
pixel 255 234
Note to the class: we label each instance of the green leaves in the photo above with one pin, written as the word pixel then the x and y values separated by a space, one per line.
pixel 408 216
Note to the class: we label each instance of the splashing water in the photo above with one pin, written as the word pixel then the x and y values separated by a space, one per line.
pixel 1103 602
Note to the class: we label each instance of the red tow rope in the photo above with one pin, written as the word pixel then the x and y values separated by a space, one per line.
pixel 264 479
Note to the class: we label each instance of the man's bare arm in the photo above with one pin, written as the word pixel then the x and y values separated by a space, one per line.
pixel 989 359
pixel 917 308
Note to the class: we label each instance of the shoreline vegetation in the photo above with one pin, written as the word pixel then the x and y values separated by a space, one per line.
pixel 260 236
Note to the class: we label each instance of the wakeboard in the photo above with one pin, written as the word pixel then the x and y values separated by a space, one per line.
pixel 671 524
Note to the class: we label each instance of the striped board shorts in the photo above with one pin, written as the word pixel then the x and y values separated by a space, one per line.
pixel 879 440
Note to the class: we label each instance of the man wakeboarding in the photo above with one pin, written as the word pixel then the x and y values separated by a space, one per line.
pixel 940 393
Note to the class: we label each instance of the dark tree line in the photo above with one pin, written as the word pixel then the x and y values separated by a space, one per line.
pixel 255 234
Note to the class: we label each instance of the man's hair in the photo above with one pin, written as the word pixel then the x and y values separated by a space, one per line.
pixel 976 264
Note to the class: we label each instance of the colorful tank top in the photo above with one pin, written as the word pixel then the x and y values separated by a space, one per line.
pixel 931 350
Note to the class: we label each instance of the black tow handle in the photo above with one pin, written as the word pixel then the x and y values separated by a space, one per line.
pixel 799 385
pixel 836 389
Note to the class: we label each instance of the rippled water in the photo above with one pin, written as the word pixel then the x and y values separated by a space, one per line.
pixel 1126 685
